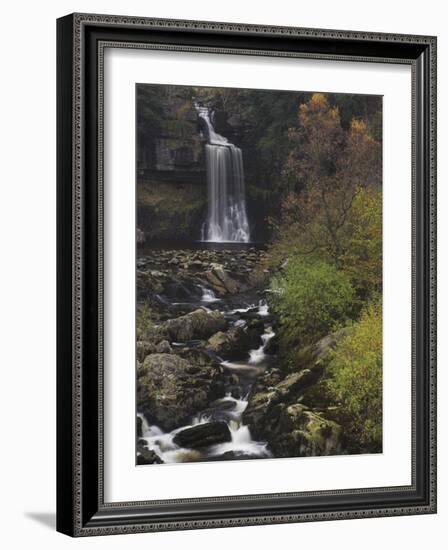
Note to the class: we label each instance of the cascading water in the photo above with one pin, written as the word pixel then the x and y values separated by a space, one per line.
pixel 226 217
pixel 228 408
pixel 258 355
pixel 208 295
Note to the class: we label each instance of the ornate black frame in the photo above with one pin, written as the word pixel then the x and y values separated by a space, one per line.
pixel 81 39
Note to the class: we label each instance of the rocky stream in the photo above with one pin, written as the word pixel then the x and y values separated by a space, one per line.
pixel 210 383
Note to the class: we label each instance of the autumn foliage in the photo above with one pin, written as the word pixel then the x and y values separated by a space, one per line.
pixel 327 248
pixel 332 207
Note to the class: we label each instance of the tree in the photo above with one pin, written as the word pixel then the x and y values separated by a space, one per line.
pixel 362 259
pixel 150 109
pixel 326 169
pixel 354 381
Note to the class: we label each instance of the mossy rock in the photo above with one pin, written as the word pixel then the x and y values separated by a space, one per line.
pixel 306 433
pixel 170 390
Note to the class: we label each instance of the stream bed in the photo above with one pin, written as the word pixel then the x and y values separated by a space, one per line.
pixel 211 384
pixel 230 408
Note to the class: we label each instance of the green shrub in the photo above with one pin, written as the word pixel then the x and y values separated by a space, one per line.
pixel 354 381
pixel 311 300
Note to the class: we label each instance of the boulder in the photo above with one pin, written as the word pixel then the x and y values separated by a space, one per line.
pixel 259 412
pixel 272 346
pixel 170 390
pixel 294 384
pixel 215 283
pixel 235 343
pixel 218 342
pixel 267 402
pixel 199 324
pixel 221 280
pixel 220 410
pixel 203 435
pixel 305 433
pixel 163 347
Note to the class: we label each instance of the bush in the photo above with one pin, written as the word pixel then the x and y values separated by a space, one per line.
pixel 355 381
pixel 311 300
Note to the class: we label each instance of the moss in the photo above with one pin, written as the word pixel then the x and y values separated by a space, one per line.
pixel 317 433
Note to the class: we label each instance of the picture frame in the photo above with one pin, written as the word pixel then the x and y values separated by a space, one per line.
pixel 81 506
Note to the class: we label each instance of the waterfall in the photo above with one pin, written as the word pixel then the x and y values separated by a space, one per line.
pixel 258 355
pixel 208 295
pixel 226 216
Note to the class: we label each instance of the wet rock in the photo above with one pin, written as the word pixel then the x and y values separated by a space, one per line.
pixel 256 323
pixel 235 343
pixel 145 456
pixel 272 345
pixel 221 410
pixel 203 435
pixel 170 390
pixel 252 316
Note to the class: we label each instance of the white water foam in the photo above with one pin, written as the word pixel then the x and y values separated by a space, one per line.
pixel 263 308
pixel 208 295
pixel 226 217
pixel 258 355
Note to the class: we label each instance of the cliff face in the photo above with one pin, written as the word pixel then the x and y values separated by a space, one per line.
pixel 171 174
